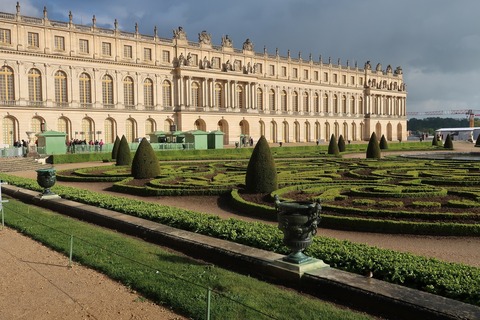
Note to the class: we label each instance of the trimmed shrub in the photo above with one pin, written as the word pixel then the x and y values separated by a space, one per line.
pixel 477 143
pixel 261 176
pixel 333 146
pixel 124 158
pixel 373 149
pixel 383 143
pixel 435 140
pixel 116 144
pixel 341 144
pixel 145 163
pixel 448 142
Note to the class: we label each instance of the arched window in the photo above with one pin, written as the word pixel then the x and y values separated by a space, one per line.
pixel 295 101
pixel 87 129
pixel 34 86
pixel 6 84
pixel 306 102
pixel 36 124
pixel 150 126
pixel 335 103
pixel 344 104
pixel 166 93
pixel 61 96
pixel 283 99
pixel 316 102
pixel 85 89
pixel 195 95
pixel 148 93
pixel 107 91
pixel 271 100
pixel 63 125
pixel 352 105
pixel 109 130
pixel 259 99
pixel 130 130
pixel 9 131
pixel 128 92
pixel 218 96
pixel 325 104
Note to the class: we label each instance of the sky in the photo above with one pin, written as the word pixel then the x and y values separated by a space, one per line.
pixel 436 42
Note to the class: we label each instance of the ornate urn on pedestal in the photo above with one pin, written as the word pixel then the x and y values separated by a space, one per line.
pixel 298 221
pixel 46 179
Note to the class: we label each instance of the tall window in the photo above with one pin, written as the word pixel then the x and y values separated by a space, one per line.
pixel 59 44
pixel 9 131
pixel 150 126
pixel 109 130
pixel 5 37
pixel 335 103
pixel 165 56
pixel 295 101
pixel 325 103
pixel 216 63
pixel 344 104
pixel 271 100
pixel 305 74
pixel 6 84
pixel 195 95
pixel 107 90
pixel 33 41
pixel 83 46
pixel 61 96
pixel 85 89
pixel 295 72
pixel 148 93
pixel 352 105
pixel 167 93
pixel 36 124
pixel 259 99
pixel 272 70
pixel 240 97
pixel 315 75
pixel 128 97
pixel 306 102
pixel 316 102
pixel 34 86
pixel 107 49
pixel 284 71
pixel 218 95
pixel 62 126
pixel 130 130
pixel 147 54
pixel 127 52
pixel 87 128
pixel 283 100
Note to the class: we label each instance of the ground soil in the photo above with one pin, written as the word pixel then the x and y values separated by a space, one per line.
pixel 37 284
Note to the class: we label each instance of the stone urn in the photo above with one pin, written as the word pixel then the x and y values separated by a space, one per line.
pixel 46 178
pixel 298 221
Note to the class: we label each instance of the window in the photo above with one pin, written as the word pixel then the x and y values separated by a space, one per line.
pixel 107 49
pixel 59 43
pixel 218 95
pixel 284 71
pixel 315 75
pixel 352 80
pixel 259 68
pixel 60 87
pixel 237 65
pixel 5 36
pixel 195 95
pixel 283 100
pixel 316 102
pixel 259 99
pixel 83 46
pixel 295 101
pixel 295 73
pixel 216 63
pixel 148 93
pixel 167 94
pixel 85 89
pixel 165 56
pixel 6 84
pixel 306 102
pixel 335 78
pixel 240 97
pixel 344 79
pixel 271 99
pixel 127 52
pixel 194 61
pixel 272 70
pixel 305 74
pixel 325 103
pixel 360 81
pixel 147 54
pixel 128 97
pixel 33 41
pixel 325 76
pixel 107 90
pixel 34 85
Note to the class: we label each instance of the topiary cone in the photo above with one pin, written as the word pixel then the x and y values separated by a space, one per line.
pixel 145 163
pixel 261 176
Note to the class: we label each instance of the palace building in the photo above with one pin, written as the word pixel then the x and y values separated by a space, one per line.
pixel 95 83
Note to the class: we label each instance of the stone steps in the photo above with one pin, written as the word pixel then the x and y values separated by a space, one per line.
pixel 13 164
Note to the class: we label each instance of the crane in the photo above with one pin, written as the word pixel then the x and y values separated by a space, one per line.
pixel 469 112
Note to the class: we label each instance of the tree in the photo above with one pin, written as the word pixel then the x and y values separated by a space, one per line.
pixel 333 146
pixel 373 149
pixel 477 143
pixel 261 176
pixel 435 140
pixel 341 144
pixel 145 163
pixel 115 147
pixel 448 142
pixel 124 157
pixel 383 143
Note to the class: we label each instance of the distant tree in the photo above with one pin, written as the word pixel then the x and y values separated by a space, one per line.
pixel 373 149
pixel 333 146
pixel 261 176
pixel 383 143
pixel 429 125
pixel 124 156
pixel 115 147
pixel 448 143
pixel 341 144
pixel 145 163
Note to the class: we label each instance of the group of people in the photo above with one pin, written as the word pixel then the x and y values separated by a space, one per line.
pixel 82 145
pixel 19 144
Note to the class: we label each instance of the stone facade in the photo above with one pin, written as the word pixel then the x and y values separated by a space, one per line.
pixel 95 83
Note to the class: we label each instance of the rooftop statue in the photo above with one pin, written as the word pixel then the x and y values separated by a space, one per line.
pixel 227 42
pixel 248 45
pixel 179 34
pixel 204 37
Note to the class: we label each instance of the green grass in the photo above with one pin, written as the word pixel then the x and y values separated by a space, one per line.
pixel 166 278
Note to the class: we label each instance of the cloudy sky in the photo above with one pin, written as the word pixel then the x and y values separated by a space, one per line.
pixel 436 42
